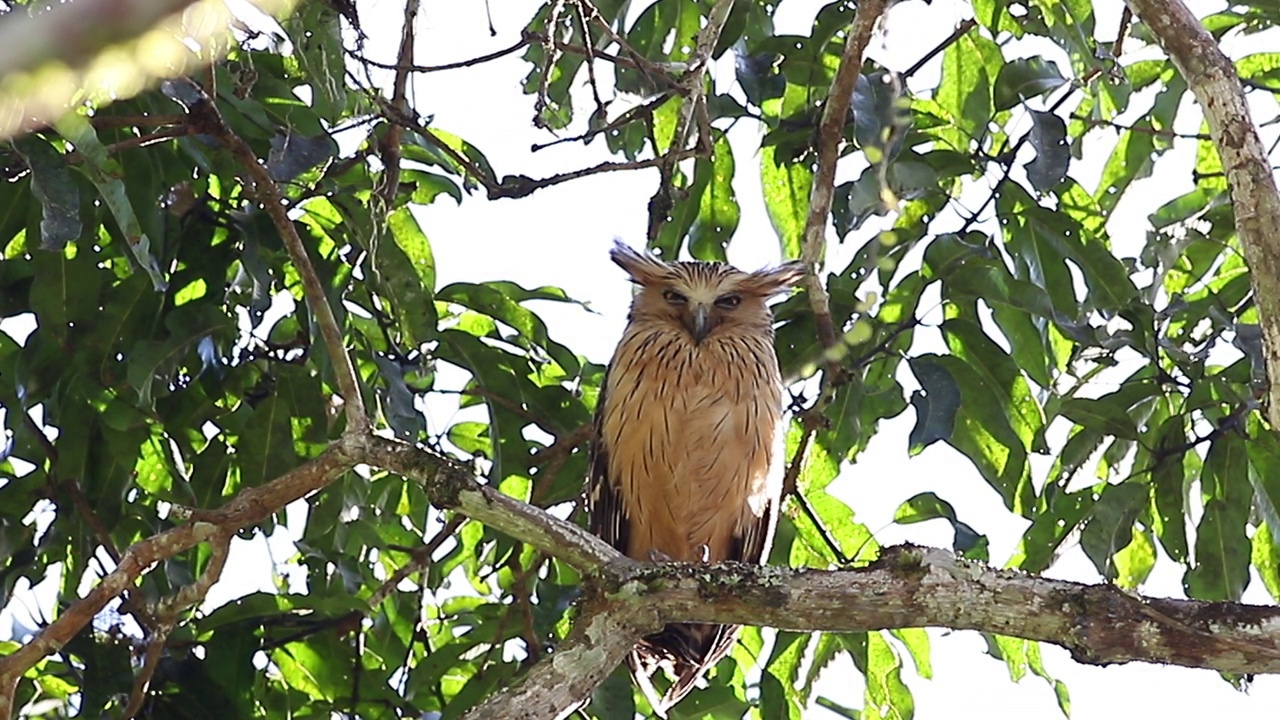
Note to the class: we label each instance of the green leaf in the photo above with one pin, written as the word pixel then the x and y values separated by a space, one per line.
pixel 965 90
pixel 936 403
pixel 921 507
pixel 265 450
pixel 718 211
pixel 916 642
pixel 1134 563
pixel 886 695
pixel 67 290
pixel 1266 558
pixel 316 34
pixel 53 186
pixel 982 432
pixel 1000 374
pixel 1024 78
pixel 1110 526
pixel 105 175
pixel 502 301
pixel 1223 550
pixel 1169 488
pixel 1105 415
pixel 1053 156
pixel 786 188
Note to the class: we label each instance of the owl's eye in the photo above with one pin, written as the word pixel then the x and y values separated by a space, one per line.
pixel 674 297
pixel 728 302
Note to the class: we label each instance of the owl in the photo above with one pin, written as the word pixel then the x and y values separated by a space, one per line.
pixel 686 461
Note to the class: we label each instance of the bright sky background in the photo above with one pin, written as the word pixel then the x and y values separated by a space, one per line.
pixel 560 236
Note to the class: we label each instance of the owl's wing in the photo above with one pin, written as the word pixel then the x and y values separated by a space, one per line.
pixel 606 514
pixel 753 541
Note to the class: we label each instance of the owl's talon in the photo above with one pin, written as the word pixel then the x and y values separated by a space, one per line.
pixel 704 552
pixel 657 556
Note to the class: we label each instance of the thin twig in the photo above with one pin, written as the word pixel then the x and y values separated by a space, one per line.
pixel 205 118
pixel 1126 21
pixel 391 142
pixel 407 119
pixel 419 560
pixel 601 113
pixel 549 57
pixel 155 649
pixel 623 119
pixel 167 611
pixel 1090 122
pixel 519 186
pixel 550 459
pixel 830 134
pixel 958 33
pixel 651 70
pixel 792 475
pixel 695 81
pixel 410 67
pixel 692 84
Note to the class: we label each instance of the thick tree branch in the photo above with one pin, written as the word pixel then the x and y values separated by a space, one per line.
pixel 908 587
pixel 927 587
pixel 1212 77
pixel 453 486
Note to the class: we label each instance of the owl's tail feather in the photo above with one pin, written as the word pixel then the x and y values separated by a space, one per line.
pixel 686 651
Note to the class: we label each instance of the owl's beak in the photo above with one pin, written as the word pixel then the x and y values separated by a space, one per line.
pixel 700 323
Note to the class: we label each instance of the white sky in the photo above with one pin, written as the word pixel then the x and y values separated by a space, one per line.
pixel 560 236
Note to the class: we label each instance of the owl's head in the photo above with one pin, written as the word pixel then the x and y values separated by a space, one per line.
pixel 703 297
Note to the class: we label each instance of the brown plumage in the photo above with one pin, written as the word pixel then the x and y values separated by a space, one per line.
pixel 686 461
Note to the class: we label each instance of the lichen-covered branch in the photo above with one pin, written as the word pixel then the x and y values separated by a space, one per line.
pixel 558 684
pixel 926 587
pixel 907 587
pixel 1212 77
pixel 452 486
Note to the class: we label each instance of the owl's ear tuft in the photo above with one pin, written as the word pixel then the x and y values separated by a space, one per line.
pixel 643 268
pixel 772 281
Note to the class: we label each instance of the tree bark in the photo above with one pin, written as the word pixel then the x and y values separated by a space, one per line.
pixel 1212 77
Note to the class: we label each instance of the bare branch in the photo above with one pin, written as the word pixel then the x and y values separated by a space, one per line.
pixel 410 67
pixel 1212 77
pixel 830 135
pixel 389 146
pixel 453 486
